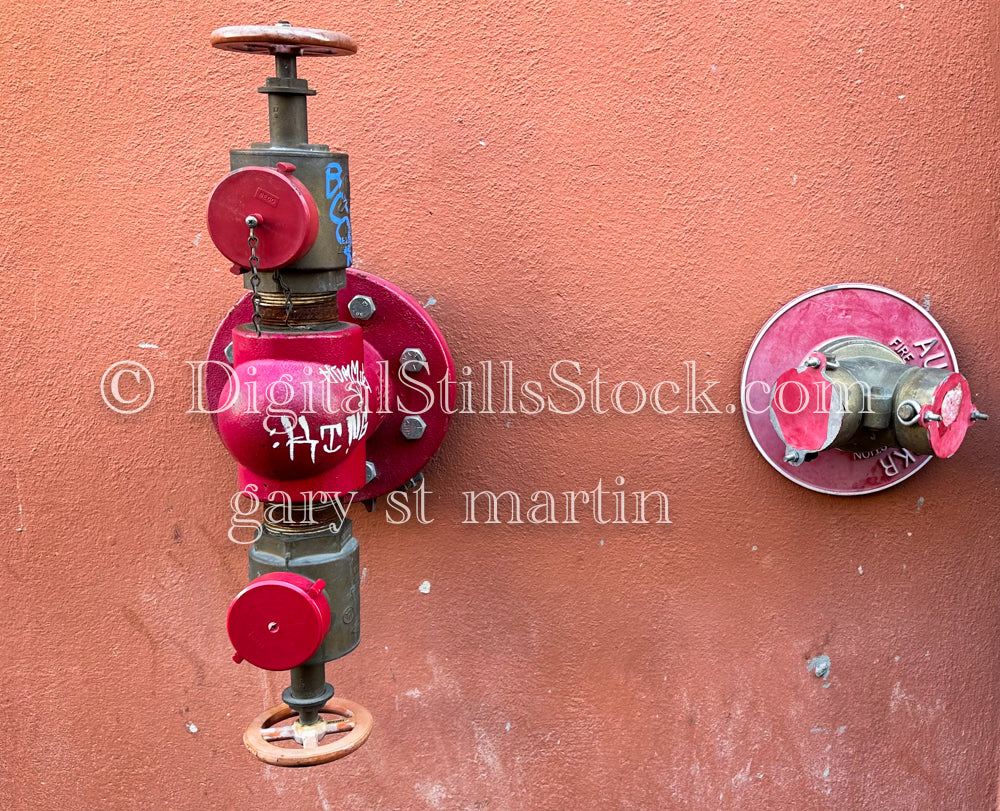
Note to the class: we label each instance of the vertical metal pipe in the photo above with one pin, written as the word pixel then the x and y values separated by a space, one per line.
pixel 309 685
pixel 287 110
pixel 284 66
pixel 287 118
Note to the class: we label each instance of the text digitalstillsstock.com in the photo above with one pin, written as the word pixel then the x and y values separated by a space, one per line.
pixel 492 391
pixel 127 387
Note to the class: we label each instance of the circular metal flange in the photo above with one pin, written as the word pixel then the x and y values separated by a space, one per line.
pixel 306 746
pixel 801 327
pixel 399 322
pixel 282 39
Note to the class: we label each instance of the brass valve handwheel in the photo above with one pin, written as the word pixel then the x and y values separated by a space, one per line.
pixel 283 39
pixel 347 732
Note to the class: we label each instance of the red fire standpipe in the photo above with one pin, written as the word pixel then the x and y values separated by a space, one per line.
pixel 321 399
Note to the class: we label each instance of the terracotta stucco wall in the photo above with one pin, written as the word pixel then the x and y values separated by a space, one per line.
pixel 626 185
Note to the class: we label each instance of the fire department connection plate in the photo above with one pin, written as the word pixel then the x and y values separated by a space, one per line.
pixel 399 322
pixel 800 327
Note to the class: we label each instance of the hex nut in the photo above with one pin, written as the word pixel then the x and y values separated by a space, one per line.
pixel 361 308
pixel 228 352
pixel 794 456
pixel 370 472
pixel 412 360
pixel 412 427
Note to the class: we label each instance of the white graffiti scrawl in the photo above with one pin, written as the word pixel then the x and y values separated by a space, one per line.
pixel 333 437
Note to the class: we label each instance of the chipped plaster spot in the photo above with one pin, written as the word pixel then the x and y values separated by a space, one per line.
pixel 191 727
pixel 425 587
pixel 820 665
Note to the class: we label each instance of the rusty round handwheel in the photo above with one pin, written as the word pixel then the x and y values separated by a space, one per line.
pixel 346 733
pixel 283 39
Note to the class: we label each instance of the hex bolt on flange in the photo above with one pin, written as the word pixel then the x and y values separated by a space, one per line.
pixel 794 457
pixel 361 307
pixel 908 412
pixel 813 362
pixel 370 472
pixel 413 360
pixel 412 427
pixel 413 483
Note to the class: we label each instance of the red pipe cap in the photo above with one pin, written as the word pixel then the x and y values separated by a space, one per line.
pixel 806 408
pixel 278 621
pixel 287 217
pixel 953 404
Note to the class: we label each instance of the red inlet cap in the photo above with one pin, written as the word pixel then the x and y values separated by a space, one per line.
pixel 807 410
pixel 286 215
pixel 953 405
pixel 278 621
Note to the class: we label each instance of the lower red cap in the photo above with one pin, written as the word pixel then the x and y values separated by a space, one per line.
pixel 278 621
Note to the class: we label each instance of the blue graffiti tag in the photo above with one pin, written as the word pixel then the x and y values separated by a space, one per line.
pixel 335 193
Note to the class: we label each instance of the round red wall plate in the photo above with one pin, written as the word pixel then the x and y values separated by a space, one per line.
pixel 805 324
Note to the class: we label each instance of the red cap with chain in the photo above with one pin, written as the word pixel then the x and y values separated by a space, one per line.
pixel 279 207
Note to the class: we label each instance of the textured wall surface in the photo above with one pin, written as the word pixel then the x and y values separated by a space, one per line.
pixel 628 185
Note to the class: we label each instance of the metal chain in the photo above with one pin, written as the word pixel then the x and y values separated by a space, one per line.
pixel 252 222
pixel 286 290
